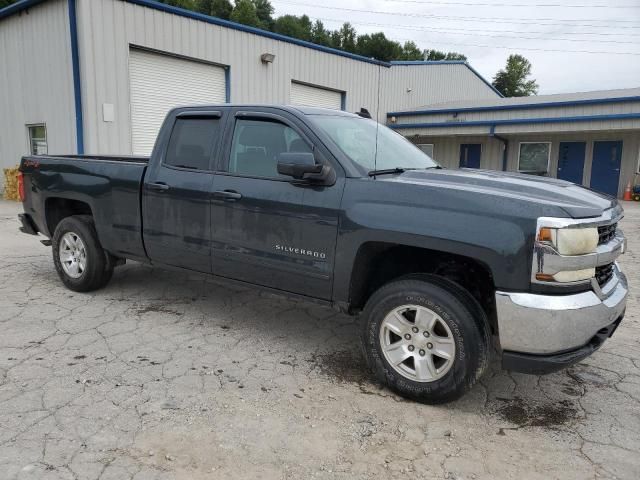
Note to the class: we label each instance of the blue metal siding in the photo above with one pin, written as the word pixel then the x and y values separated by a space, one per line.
pixel 75 61
pixel 517 121
pixel 522 106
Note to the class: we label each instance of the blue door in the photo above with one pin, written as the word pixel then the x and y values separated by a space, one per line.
pixel 470 155
pixel 571 161
pixel 605 169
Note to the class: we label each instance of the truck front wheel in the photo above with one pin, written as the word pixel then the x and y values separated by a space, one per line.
pixel 425 338
pixel 80 260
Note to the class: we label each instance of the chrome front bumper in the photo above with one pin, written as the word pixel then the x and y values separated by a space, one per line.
pixel 549 324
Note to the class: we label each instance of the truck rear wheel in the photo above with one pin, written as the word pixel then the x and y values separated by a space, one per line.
pixel 80 260
pixel 425 338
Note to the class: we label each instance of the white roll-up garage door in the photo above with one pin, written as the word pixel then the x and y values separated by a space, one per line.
pixel 302 94
pixel 161 82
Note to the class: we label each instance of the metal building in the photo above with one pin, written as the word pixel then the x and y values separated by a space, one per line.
pixel 588 138
pixel 97 76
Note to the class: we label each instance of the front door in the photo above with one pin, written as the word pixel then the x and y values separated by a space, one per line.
pixel 605 168
pixel 177 193
pixel 571 161
pixel 470 155
pixel 267 229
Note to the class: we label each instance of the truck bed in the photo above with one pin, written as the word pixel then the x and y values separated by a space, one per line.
pixel 99 158
pixel 107 186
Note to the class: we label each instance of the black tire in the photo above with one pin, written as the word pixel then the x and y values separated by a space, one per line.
pixel 98 269
pixel 467 323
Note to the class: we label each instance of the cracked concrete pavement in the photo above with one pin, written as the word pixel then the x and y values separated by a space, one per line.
pixel 166 375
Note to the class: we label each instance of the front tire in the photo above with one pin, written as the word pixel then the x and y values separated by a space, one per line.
pixel 425 338
pixel 80 260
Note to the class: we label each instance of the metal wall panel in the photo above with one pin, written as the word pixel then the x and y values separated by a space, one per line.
pixel 36 80
pixel 447 150
pixel 408 87
pixel 107 28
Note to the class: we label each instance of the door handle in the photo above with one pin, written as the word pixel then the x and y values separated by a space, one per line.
pixel 161 187
pixel 228 195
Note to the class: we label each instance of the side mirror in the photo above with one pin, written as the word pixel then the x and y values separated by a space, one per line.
pixel 301 166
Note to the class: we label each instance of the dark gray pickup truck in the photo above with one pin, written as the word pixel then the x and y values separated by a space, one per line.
pixel 444 267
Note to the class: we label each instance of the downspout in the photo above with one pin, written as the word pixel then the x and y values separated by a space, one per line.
pixel 505 146
pixel 75 66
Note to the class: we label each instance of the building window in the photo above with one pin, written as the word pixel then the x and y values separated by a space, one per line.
pixel 534 157
pixel 38 139
pixel 426 148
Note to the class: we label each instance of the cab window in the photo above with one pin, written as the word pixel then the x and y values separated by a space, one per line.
pixel 191 143
pixel 257 145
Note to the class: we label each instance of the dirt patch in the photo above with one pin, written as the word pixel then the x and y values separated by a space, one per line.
pixel 157 309
pixel 343 366
pixel 517 411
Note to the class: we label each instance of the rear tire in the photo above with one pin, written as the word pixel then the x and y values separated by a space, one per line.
pixel 81 262
pixel 426 338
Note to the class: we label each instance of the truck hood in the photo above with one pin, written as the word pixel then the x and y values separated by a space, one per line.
pixel 576 201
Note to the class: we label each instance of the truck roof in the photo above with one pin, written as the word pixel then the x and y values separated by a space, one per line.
pixel 291 108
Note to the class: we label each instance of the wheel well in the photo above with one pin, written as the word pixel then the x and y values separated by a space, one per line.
pixel 378 263
pixel 58 208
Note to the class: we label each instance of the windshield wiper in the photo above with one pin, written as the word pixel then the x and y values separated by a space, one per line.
pixel 388 171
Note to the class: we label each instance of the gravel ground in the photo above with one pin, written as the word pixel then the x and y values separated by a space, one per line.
pixel 168 375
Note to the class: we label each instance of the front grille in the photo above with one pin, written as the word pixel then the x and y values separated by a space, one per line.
pixel 604 274
pixel 606 233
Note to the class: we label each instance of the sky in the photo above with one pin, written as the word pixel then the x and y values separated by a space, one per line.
pixel 573 46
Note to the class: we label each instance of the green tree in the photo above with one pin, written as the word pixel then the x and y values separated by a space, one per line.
pixel 293 26
pixel 335 39
pixel 6 3
pixel 512 81
pixel 264 11
pixel 216 8
pixel 245 12
pixel 348 38
pixel 320 35
pixel 435 55
pixel 378 46
pixel 410 51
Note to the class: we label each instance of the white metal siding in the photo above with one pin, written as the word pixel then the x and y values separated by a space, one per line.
pixel 315 96
pixel 107 28
pixel 162 82
pixel 36 83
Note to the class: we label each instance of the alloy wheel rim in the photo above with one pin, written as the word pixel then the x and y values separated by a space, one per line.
pixel 417 343
pixel 73 255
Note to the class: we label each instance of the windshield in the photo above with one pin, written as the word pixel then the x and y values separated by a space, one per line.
pixel 356 137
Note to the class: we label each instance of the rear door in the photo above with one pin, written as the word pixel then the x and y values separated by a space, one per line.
pixel 571 161
pixel 267 229
pixel 470 155
pixel 177 190
pixel 605 168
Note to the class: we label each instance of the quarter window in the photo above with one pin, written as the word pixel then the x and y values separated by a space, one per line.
pixel 38 139
pixel 257 145
pixel 191 143
pixel 534 157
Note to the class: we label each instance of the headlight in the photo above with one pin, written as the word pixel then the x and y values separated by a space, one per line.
pixel 570 241
pixel 567 242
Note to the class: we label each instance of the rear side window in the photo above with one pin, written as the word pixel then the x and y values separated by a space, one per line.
pixel 192 142
pixel 258 143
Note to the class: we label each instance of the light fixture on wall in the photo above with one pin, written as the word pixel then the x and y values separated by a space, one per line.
pixel 267 58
